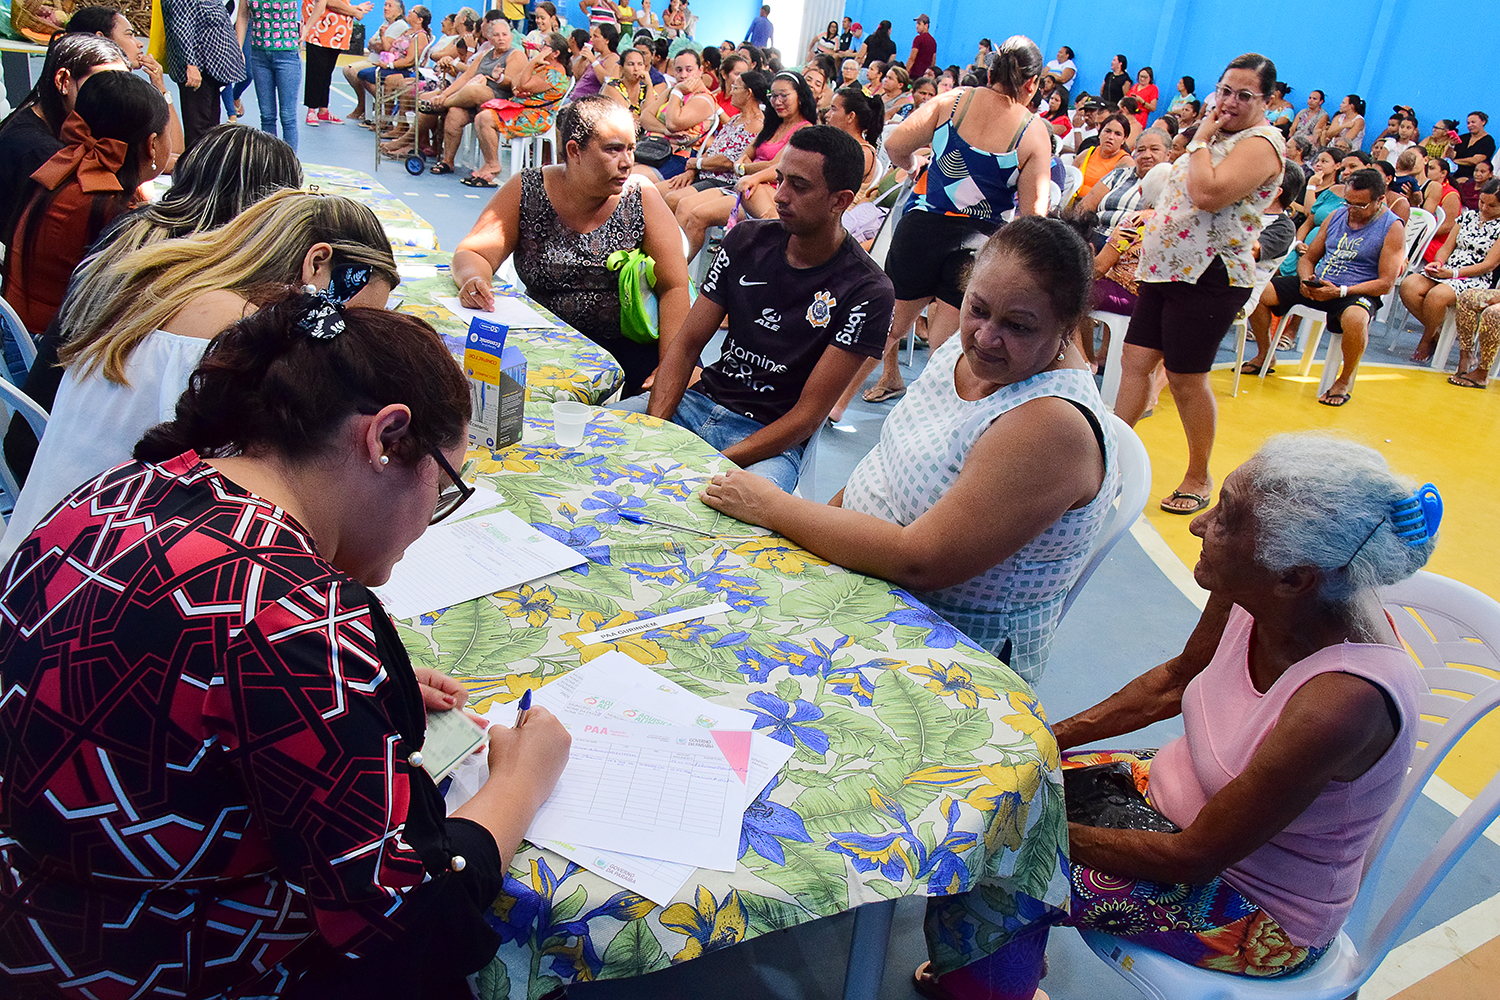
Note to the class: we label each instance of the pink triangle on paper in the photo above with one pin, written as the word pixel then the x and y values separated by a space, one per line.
pixel 735 745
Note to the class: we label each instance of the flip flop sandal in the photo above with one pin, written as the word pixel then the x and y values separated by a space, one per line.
pixel 1249 368
pixel 441 168
pixel 880 394
pixel 475 181
pixel 1335 398
pixel 1467 383
pixel 1199 503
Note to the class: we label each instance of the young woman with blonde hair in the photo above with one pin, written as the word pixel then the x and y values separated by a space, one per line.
pixel 131 339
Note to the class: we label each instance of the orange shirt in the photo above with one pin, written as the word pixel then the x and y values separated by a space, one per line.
pixel 331 31
pixel 1094 167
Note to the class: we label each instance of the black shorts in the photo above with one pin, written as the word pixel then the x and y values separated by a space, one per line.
pixel 1289 293
pixel 1186 322
pixel 931 255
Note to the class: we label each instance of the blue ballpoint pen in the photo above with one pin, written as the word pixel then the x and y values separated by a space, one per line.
pixel 522 707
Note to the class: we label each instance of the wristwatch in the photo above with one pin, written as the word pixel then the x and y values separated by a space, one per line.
pixel 1196 145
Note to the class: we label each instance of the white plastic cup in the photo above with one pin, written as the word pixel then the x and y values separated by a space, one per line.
pixel 569 419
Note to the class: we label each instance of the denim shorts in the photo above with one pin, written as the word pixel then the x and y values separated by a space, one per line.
pixel 723 428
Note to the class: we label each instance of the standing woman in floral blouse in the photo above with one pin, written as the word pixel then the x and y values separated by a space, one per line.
pixel 1196 267
pixel 274 28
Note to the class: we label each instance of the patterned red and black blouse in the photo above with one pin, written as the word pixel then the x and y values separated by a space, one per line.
pixel 204 779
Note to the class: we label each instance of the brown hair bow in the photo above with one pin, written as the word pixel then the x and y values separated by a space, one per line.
pixel 94 160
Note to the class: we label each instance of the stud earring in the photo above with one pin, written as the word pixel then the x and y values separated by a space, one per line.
pixel 310 289
pixel 385 460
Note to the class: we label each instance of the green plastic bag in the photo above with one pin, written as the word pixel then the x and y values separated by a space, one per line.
pixel 638 309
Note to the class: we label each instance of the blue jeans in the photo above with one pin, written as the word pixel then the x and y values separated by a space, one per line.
pixel 278 75
pixel 15 368
pixel 722 428
pixel 231 91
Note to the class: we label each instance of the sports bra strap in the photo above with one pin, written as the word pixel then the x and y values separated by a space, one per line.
pixel 1016 139
pixel 965 101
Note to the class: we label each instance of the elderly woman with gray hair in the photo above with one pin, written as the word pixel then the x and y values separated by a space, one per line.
pixel 1299 705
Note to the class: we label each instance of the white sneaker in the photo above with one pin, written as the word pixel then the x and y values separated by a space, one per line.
pixel 312 118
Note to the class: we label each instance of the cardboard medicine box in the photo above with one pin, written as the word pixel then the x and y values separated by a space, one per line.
pixel 497 385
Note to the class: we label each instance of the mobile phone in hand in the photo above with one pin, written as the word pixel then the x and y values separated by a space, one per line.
pixel 1314 282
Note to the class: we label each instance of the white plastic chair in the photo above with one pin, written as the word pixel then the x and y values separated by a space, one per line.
pixel 1117 324
pixel 1420 229
pixel 1453 631
pixel 1135 486
pixel 543 143
pixel 1073 183
pixel 1240 329
pixel 1309 335
pixel 520 154
pixel 12 401
pixel 12 327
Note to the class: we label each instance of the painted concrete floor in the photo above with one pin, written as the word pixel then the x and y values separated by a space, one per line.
pixel 1135 612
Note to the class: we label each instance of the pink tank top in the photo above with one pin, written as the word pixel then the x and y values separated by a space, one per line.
pixel 1306 876
pixel 767 151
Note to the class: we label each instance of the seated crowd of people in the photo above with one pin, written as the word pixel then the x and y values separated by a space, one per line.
pixel 222 363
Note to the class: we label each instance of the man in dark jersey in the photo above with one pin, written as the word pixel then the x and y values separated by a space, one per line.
pixel 805 304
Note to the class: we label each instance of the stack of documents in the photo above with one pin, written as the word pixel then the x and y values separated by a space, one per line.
pixel 458 561
pixel 658 778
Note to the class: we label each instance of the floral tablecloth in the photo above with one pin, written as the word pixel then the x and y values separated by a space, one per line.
pixel 923 766
pixel 392 212
pixel 561 363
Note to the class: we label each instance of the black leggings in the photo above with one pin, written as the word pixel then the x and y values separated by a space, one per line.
pixel 320 65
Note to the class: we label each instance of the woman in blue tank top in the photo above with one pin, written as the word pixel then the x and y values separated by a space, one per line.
pixel 990 155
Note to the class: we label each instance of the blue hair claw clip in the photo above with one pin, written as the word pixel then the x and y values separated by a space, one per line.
pixel 1416 518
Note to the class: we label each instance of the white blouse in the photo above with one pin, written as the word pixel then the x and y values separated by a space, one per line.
pixel 922 449
pixel 95 424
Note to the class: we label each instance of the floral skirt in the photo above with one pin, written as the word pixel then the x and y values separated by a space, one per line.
pixel 1212 926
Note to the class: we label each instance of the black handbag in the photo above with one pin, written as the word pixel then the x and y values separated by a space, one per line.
pixel 1105 795
pixel 653 151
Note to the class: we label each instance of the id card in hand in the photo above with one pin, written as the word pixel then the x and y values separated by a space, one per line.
pixel 451 736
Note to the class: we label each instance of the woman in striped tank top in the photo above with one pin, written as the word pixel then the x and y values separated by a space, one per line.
pixel 989 155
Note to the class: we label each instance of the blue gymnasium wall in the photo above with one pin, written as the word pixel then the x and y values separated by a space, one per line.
pixel 721 19
pixel 1379 49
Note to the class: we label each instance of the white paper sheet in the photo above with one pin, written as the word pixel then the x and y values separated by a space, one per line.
pixel 656 621
pixel 656 696
pixel 453 563
pixel 483 499
pixel 646 790
pixel 509 310
pixel 658 881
